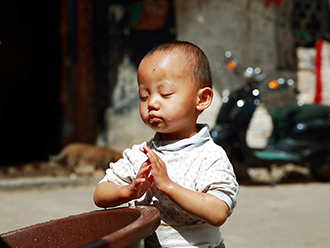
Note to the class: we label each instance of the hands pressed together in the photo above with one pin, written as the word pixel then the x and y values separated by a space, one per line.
pixel 152 171
pixel 202 205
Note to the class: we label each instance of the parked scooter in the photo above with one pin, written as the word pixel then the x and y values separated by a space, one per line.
pixel 301 132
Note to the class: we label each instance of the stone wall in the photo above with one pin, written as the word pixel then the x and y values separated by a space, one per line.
pixel 244 27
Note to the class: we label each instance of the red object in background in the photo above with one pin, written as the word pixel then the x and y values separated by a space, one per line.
pixel 317 71
pixel 268 2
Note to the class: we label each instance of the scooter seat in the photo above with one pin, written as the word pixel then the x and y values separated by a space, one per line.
pixel 300 113
pixel 308 112
pixel 275 155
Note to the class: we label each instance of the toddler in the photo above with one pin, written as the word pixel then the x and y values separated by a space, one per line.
pixel 181 171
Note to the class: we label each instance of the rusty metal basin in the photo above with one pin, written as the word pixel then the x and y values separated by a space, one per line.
pixel 119 227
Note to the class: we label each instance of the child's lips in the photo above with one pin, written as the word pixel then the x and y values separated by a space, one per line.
pixel 153 119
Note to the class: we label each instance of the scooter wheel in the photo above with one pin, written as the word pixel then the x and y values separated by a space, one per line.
pixel 320 167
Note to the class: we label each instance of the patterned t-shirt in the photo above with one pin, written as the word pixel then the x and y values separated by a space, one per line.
pixel 196 163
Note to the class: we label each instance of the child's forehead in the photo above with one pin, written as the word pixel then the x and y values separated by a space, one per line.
pixel 174 55
pixel 167 65
pixel 155 73
pixel 164 62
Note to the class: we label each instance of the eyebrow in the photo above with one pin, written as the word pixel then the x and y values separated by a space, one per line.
pixel 166 86
pixel 159 87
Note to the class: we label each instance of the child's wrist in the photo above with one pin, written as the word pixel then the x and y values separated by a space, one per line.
pixel 167 187
pixel 126 193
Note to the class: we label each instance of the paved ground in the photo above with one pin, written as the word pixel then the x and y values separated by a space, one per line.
pixel 288 215
pixel 26 207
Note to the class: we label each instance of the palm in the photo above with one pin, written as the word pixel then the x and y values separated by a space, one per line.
pixel 142 181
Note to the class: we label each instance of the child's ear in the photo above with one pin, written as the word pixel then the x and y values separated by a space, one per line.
pixel 204 98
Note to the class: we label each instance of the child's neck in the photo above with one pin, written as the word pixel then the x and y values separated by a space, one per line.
pixel 173 136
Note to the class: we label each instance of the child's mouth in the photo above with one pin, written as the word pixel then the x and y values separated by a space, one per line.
pixel 153 119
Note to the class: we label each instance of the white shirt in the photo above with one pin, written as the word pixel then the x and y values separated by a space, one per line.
pixel 196 163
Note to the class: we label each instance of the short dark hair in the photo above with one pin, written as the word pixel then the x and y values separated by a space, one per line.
pixel 198 64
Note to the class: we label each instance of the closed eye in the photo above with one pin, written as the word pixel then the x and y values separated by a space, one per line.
pixel 167 95
pixel 143 98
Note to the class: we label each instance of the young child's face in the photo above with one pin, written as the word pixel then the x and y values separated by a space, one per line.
pixel 168 96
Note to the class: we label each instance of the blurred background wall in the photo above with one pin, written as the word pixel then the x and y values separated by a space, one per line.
pixel 68 68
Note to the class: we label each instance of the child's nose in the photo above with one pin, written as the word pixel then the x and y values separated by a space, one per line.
pixel 153 103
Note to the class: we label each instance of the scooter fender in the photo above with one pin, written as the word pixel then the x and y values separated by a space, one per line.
pixel 297 151
pixel 314 130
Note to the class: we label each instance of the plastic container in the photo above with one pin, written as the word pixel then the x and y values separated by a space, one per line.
pixel 118 227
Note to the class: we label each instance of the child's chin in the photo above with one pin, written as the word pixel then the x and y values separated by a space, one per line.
pixel 156 126
pixel 156 129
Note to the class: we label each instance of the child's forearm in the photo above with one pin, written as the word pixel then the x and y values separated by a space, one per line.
pixel 108 194
pixel 202 205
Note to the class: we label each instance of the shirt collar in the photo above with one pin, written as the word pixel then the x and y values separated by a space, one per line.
pixel 185 145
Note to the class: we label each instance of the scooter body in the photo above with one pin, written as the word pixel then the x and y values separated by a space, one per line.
pixel 301 133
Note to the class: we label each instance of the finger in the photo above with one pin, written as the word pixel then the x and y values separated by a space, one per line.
pixel 137 182
pixel 140 180
pixel 146 149
pixel 153 158
pixel 145 165
pixel 144 171
pixel 155 161
pixel 150 179
pixel 150 154
pixel 143 148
